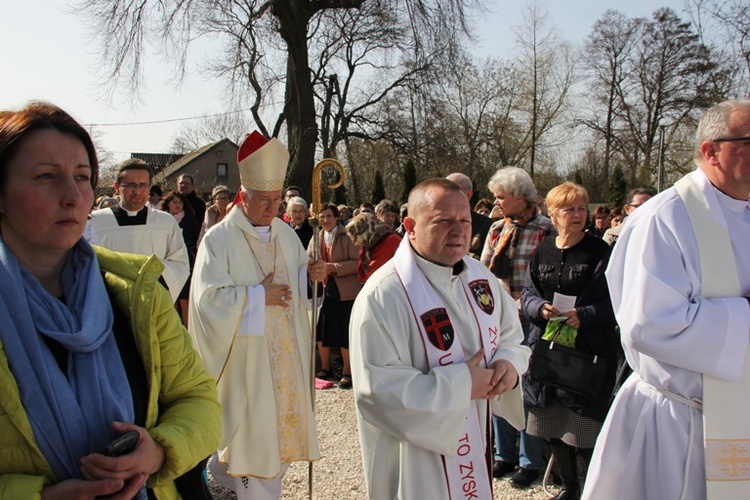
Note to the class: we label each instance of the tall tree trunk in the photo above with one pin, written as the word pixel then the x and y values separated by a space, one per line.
pixel 299 106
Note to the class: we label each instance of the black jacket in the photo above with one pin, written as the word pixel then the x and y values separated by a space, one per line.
pixel 199 206
pixel 577 271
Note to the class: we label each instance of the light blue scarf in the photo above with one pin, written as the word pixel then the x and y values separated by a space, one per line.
pixel 70 414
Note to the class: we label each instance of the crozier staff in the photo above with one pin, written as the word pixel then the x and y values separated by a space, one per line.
pixel 433 338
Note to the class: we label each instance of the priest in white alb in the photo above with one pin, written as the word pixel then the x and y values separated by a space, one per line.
pixel 249 318
pixel 679 279
pixel 132 227
pixel 434 340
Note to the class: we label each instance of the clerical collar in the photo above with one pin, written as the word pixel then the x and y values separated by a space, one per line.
pixel 456 268
pixel 129 218
pixel 130 212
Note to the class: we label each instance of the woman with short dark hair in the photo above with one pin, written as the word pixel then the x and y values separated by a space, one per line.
pixel 599 221
pixel 90 346
pixel 341 288
pixel 178 207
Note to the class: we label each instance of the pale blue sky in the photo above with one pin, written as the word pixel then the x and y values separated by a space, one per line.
pixel 46 56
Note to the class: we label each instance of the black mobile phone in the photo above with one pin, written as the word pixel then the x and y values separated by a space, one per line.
pixel 122 444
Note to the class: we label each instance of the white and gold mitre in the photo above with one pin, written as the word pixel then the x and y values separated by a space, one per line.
pixel 262 163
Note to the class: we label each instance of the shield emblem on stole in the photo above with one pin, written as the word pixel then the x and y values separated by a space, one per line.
pixel 438 326
pixel 482 293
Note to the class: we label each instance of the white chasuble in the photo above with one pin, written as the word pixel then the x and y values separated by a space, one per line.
pixel 284 354
pixel 466 469
pixel 262 372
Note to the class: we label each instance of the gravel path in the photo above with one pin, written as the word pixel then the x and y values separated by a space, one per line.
pixel 338 474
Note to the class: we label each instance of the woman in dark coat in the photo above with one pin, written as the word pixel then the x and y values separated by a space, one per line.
pixel 296 209
pixel 177 205
pixel 570 263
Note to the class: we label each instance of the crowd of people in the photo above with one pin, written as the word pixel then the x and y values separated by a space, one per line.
pixel 188 322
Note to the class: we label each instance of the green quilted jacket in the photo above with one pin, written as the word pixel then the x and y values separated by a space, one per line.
pixel 183 412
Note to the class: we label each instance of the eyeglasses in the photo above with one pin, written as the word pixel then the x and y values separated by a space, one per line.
pixel 745 140
pixel 266 202
pixel 634 205
pixel 134 186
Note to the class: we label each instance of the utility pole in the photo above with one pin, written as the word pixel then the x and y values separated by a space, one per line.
pixel 662 147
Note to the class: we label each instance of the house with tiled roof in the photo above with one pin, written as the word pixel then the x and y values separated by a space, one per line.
pixel 210 165
pixel 157 161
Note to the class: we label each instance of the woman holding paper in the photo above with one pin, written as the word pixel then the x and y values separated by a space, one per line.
pixel 565 282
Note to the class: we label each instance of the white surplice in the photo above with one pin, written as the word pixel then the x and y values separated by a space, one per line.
pixel 230 323
pixel 409 415
pixel 160 236
pixel 651 445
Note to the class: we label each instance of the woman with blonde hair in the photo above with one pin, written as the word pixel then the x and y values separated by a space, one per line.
pixel 570 265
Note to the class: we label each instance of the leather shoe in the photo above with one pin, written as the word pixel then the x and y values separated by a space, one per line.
pixel 500 468
pixel 345 382
pixel 567 494
pixel 524 477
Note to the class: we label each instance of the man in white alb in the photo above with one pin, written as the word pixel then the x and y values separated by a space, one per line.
pixel 249 318
pixel 133 227
pixel 679 278
pixel 433 339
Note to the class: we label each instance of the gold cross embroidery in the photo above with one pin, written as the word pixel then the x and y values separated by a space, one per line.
pixel 734 460
pixel 727 460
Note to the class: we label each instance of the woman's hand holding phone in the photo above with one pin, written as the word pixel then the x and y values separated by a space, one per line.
pixel 134 467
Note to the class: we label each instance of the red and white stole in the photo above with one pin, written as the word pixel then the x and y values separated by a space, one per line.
pixel 466 469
